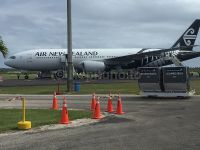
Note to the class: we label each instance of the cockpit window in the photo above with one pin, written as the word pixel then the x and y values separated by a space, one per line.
pixel 12 57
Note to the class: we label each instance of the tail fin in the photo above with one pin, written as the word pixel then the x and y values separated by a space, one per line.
pixel 187 39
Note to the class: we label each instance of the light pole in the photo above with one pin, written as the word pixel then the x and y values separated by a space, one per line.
pixel 69 49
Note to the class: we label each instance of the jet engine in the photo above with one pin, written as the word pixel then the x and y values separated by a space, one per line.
pixel 92 66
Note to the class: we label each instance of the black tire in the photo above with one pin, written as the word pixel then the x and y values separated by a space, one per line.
pixel 59 74
pixel 26 77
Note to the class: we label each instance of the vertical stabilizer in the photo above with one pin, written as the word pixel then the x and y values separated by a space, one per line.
pixel 187 39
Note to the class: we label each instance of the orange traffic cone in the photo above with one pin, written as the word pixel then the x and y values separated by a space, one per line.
pixel 119 106
pixel 64 113
pixel 93 102
pixel 55 102
pixel 109 105
pixel 97 111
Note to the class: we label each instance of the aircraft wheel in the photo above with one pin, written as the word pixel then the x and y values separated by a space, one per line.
pixel 26 77
pixel 59 74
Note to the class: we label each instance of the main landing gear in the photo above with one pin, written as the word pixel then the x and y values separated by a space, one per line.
pixel 26 76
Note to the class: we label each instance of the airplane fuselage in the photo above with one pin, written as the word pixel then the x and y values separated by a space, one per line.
pixel 55 59
pixel 51 59
pixel 93 60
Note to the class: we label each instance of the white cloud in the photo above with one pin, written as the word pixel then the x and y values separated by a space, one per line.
pixel 27 24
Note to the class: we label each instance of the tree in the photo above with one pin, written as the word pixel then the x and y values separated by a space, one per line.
pixel 3 48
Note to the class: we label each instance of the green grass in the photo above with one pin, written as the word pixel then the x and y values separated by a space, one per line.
pixel 28 90
pixel 38 117
pixel 123 88
pixel 9 76
pixel 195 85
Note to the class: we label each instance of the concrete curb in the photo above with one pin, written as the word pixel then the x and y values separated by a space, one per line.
pixel 72 124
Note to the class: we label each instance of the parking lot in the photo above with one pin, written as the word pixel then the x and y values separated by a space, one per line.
pixel 147 124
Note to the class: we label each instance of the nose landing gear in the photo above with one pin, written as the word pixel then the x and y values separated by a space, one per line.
pixel 26 76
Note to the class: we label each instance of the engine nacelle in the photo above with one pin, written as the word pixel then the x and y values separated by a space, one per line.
pixel 93 66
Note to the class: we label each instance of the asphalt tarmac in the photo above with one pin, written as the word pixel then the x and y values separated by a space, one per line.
pixel 148 124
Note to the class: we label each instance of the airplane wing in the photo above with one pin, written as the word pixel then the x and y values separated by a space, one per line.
pixel 124 60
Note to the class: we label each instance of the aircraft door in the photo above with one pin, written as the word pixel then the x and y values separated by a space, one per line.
pixel 21 61
pixel 29 60
pixel 63 58
pixel 63 61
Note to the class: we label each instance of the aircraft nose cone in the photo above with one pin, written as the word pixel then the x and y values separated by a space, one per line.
pixel 7 62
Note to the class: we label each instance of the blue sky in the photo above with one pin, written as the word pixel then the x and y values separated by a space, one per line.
pixel 29 24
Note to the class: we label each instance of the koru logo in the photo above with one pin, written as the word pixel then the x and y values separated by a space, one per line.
pixel 189 36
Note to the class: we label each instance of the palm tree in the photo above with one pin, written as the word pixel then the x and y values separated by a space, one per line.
pixel 3 48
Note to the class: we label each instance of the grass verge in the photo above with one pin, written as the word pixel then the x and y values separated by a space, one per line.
pixel 8 76
pixel 124 88
pixel 38 117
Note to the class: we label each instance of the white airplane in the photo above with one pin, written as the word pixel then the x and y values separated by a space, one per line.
pixel 99 60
